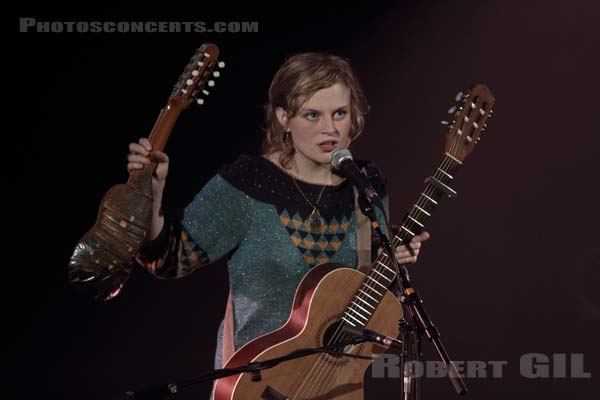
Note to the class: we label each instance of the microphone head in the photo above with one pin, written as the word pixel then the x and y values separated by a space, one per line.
pixel 338 155
pixel 353 330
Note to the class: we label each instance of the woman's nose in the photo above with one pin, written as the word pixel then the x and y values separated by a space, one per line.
pixel 329 125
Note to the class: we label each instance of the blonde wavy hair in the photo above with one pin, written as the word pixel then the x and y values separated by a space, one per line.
pixel 301 76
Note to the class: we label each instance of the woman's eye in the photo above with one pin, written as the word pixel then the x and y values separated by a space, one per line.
pixel 340 114
pixel 311 115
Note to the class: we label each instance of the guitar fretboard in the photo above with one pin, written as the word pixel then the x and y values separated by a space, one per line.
pixel 382 273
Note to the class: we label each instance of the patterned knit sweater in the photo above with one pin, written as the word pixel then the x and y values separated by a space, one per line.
pixel 252 213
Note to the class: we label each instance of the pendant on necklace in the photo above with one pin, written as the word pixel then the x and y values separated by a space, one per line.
pixel 315 221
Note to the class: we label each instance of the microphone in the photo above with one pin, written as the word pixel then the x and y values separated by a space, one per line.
pixel 373 336
pixel 341 160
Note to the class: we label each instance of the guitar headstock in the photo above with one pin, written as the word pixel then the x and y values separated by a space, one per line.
pixel 470 115
pixel 197 76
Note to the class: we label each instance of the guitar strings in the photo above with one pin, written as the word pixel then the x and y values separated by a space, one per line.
pixel 316 370
pixel 318 366
pixel 430 191
pixel 446 162
pixel 336 336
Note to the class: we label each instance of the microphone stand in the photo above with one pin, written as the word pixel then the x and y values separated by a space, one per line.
pixel 412 301
pixel 254 368
pixel 411 352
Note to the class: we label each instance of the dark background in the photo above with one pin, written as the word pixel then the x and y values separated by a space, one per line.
pixel 512 265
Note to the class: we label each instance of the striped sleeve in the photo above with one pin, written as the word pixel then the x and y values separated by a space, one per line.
pixel 211 226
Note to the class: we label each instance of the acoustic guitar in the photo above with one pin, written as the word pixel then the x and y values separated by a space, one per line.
pixel 330 296
pixel 104 257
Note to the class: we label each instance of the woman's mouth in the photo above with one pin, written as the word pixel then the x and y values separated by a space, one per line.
pixel 328 146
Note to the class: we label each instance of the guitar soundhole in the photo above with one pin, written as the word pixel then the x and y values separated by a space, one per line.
pixel 334 334
pixel 330 332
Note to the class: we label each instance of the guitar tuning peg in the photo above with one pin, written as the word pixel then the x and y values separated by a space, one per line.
pixel 452 110
pixel 221 64
pixel 458 96
pixel 211 83
pixel 206 55
pixel 205 92
pixel 189 82
pixel 195 73
pixel 445 123
pixel 200 101
pixel 478 139
pixel 200 64
pixel 216 74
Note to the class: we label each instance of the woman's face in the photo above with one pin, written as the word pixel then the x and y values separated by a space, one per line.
pixel 321 125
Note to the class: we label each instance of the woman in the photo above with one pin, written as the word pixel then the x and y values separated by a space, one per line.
pixel 275 215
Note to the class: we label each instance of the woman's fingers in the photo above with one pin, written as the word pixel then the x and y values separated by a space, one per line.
pixel 423 236
pixel 136 148
pixel 136 158
pixel 160 157
pixel 144 142
pixel 409 254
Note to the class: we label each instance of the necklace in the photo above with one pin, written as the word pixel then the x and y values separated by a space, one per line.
pixel 315 220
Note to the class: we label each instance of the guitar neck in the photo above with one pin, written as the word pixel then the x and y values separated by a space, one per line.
pixel 437 187
pixel 158 137
pixel 382 274
pixel 163 126
pixel 188 88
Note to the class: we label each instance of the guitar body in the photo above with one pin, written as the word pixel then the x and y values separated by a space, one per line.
pixel 101 258
pixel 320 300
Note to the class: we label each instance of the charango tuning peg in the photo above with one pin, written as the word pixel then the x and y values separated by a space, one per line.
pixel 216 74
pixel 221 64
pixel 200 101
pixel 458 96
pixel 452 110
pixel 211 83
